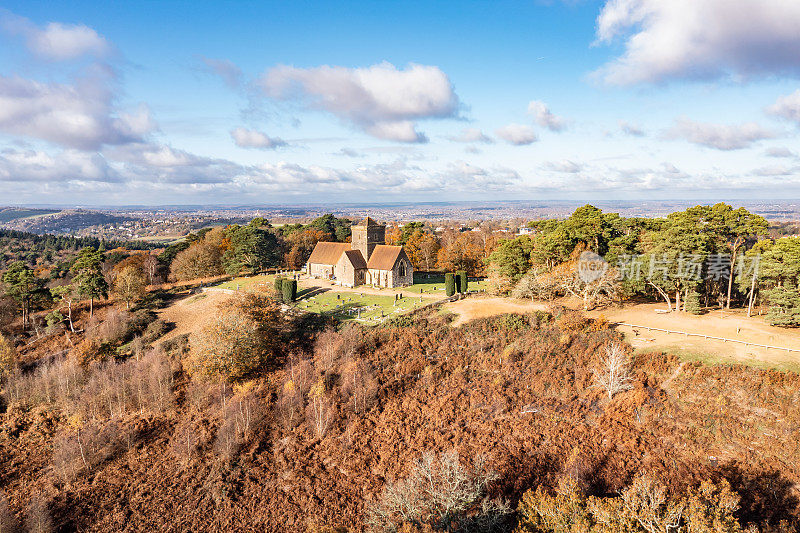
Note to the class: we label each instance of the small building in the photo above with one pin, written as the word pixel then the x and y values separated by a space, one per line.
pixel 367 260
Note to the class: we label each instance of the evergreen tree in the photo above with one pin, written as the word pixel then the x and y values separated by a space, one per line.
pixel 88 276
pixel 692 303
pixel 22 285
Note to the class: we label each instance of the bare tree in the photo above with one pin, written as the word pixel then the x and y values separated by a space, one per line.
pixel 320 411
pixel 613 372
pixel 8 522
pixel 646 501
pixel 38 520
pixel 441 493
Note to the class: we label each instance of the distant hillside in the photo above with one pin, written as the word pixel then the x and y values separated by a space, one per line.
pixel 7 214
pixel 63 222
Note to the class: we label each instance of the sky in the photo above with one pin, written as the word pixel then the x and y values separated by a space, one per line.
pixel 153 103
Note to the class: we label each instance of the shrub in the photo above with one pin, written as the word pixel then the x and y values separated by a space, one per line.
pixel 242 417
pixel 461 281
pixel 246 335
pixel 449 284
pixel 289 290
pixel 8 522
pixel 38 520
pixel 441 494
pixel 8 357
pixel 278 285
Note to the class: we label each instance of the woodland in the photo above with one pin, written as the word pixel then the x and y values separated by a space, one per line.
pixel 270 418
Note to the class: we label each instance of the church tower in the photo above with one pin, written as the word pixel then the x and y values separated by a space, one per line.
pixel 366 235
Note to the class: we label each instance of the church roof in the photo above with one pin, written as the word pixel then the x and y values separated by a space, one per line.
pixel 328 253
pixel 367 222
pixel 355 258
pixel 384 257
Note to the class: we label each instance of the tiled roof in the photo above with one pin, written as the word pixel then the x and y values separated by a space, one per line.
pixel 356 259
pixel 384 257
pixel 367 222
pixel 328 253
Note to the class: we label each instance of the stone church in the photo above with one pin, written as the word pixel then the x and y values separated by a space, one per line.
pixel 367 260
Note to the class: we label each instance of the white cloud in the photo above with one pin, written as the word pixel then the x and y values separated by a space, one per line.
pixel 245 138
pixel 402 131
pixel 69 165
pixel 349 152
pixel 471 135
pixel 630 129
pixel 787 107
pixel 56 41
pixel 230 73
pixel 566 166
pixel 517 134
pixel 544 117
pixel 774 170
pixel 382 100
pixel 700 39
pixel 77 116
pixel 161 163
pixel 719 136
pixel 779 151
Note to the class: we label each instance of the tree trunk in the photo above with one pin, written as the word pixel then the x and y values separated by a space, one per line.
pixel 69 315
pixel 752 294
pixel 678 300
pixel 663 294
pixel 91 307
pixel 730 278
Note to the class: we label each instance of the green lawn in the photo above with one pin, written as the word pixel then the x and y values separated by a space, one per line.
pixel 435 283
pixel 346 305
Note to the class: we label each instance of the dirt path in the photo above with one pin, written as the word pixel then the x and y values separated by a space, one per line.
pixel 478 307
pixel 727 324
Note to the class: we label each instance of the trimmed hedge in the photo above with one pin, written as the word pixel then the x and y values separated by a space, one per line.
pixel 289 290
pixel 461 281
pixel 278 285
pixel 449 284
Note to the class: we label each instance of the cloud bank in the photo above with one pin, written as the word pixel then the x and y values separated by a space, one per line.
pixel 699 39
pixel 381 100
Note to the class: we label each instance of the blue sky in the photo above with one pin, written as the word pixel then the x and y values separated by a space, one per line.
pixel 288 102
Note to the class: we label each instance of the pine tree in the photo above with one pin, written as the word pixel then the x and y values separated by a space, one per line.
pixel 89 280
pixel 692 304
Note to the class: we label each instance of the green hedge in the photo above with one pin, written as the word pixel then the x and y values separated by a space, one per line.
pixel 289 290
pixel 449 284
pixel 461 281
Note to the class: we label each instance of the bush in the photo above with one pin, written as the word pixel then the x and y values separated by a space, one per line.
pixel 8 522
pixel 38 520
pixel 461 281
pixel 443 495
pixel 289 290
pixel 449 284
pixel 278 284
pixel 8 357
pixel 246 335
